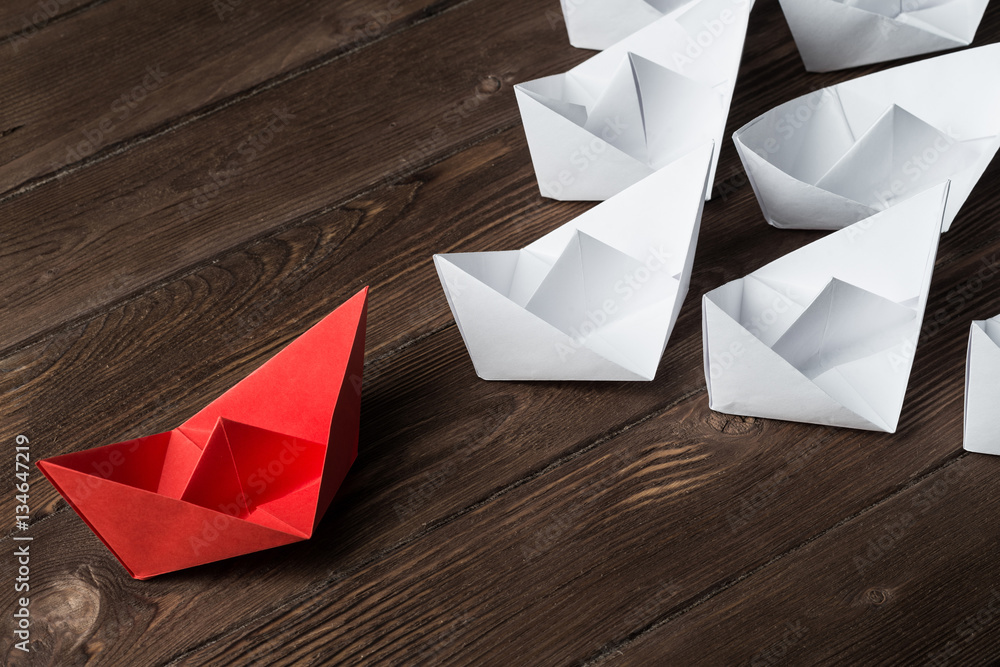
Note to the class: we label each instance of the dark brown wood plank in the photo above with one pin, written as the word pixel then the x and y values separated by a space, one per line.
pixel 593 548
pixel 23 20
pixel 334 248
pixel 318 263
pixel 482 518
pixel 255 166
pixel 427 396
pixel 153 198
pixel 633 530
pixel 913 581
pixel 159 62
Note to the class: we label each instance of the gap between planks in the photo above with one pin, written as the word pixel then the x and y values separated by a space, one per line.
pixel 433 526
pixel 56 19
pixel 185 119
pixel 190 269
pixel 609 651
pixel 125 145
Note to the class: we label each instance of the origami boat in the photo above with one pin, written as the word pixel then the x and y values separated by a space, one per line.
pixel 637 106
pixel 597 298
pixel 256 468
pixel 831 158
pixel 598 24
pixel 982 387
pixel 836 34
pixel 827 334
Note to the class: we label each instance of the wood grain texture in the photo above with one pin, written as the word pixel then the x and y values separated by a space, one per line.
pixel 183 196
pixel 552 523
pixel 593 528
pixel 893 566
pixel 155 64
pixel 23 20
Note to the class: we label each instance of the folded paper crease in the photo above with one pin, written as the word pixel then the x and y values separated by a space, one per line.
pixel 645 101
pixel 598 24
pixel 837 34
pixel 597 298
pixel 827 334
pixel 982 387
pixel 256 468
pixel 839 155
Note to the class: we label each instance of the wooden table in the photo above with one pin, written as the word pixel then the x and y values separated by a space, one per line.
pixel 188 185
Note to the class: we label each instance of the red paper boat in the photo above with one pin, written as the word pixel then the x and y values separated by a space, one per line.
pixel 255 469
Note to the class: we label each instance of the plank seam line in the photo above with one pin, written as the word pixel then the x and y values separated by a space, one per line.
pixel 372 362
pixel 368 362
pixel 432 526
pixel 173 124
pixel 32 524
pixel 58 18
pixel 376 360
pixel 189 270
pixel 305 218
pixel 612 648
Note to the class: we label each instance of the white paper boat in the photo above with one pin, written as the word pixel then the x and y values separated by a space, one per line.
pixel 597 298
pixel 836 34
pixel 982 387
pixel 827 334
pixel 637 106
pixel 837 156
pixel 598 24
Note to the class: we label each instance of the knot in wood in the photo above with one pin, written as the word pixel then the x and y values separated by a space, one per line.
pixel 489 85
pixel 732 424
pixel 877 596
